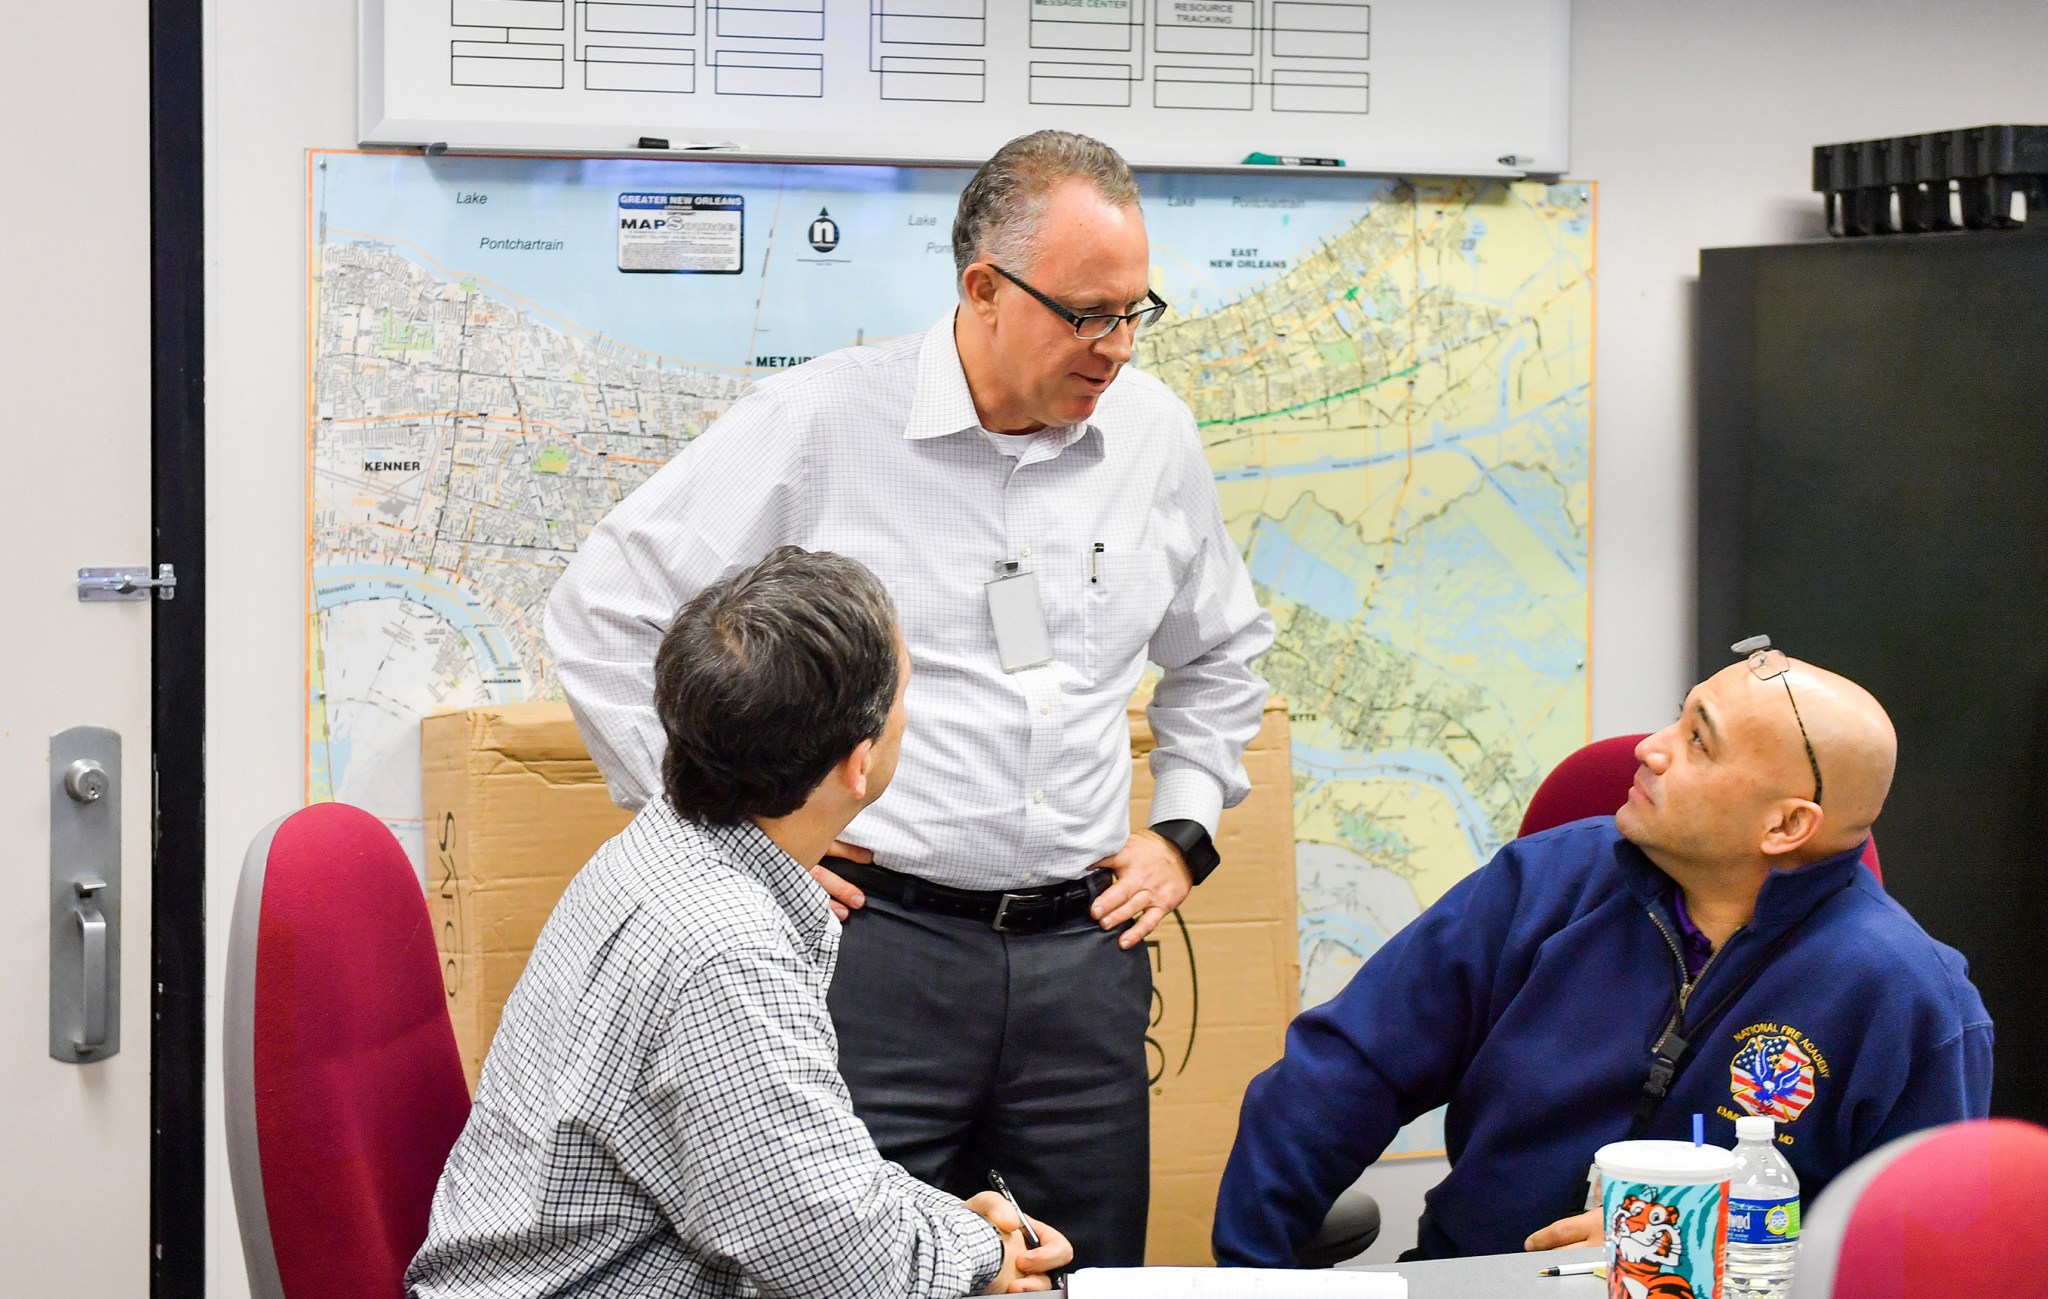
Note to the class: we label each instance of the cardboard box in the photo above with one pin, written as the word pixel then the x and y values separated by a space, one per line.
pixel 514 806
pixel 1226 980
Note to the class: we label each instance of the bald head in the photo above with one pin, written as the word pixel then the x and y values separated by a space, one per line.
pixel 1854 743
pixel 1730 783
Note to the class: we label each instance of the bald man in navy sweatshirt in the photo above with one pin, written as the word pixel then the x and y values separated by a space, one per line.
pixel 1715 947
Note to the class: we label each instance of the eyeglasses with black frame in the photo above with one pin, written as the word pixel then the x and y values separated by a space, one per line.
pixel 1094 326
pixel 1767 664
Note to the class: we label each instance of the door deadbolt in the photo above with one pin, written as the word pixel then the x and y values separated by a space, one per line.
pixel 85 780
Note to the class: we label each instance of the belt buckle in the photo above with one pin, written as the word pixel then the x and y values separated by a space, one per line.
pixel 1024 908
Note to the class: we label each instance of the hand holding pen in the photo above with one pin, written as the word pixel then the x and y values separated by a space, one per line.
pixel 1032 1251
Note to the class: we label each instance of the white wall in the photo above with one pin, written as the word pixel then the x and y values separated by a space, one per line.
pixel 1697 120
pixel 280 78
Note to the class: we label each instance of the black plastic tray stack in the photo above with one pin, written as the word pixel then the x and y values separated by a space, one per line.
pixel 1917 184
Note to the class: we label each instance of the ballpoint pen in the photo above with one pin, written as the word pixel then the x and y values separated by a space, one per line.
pixel 1002 1188
pixel 1574 1269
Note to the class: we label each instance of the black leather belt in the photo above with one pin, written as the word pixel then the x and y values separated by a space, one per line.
pixel 1013 911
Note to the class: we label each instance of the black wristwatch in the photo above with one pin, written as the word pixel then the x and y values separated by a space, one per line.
pixel 1194 843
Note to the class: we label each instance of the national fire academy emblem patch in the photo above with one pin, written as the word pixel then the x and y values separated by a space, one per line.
pixel 1774 1071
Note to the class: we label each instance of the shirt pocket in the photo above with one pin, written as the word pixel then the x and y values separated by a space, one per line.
pixel 1126 594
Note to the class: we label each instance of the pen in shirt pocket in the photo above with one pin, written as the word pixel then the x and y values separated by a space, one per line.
pixel 1093 555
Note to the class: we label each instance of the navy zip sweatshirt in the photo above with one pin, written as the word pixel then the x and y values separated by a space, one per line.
pixel 1529 1000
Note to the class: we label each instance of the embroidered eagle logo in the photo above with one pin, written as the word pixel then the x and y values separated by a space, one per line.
pixel 1772 1077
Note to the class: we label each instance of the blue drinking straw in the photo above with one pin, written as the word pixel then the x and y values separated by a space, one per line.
pixel 1699 1129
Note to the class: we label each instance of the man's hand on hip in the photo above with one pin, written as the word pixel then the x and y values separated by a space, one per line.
pixel 1152 878
pixel 843 897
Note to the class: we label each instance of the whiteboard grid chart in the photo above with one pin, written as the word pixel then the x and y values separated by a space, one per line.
pixel 1442 87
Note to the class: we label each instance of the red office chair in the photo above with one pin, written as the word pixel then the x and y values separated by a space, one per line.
pixel 1594 781
pixel 344 1089
pixel 1954 1210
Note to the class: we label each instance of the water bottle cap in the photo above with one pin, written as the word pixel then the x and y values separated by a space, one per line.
pixel 1754 1127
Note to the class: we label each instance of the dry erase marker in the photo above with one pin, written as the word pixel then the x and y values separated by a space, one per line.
pixel 1289 160
pixel 1575 1269
pixel 1002 1188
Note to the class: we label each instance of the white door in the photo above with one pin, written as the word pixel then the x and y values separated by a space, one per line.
pixel 74 456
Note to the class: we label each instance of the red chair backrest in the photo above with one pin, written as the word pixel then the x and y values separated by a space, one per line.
pixel 1594 781
pixel 358 1087
pixel 1954 1210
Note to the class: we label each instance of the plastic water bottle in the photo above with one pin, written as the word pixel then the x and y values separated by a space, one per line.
pixel 1763 1215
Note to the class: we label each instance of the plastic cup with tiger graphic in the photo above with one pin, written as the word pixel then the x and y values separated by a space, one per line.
pixel 1664 1211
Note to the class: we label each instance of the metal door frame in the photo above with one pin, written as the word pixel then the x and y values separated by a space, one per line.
pixel 177 1038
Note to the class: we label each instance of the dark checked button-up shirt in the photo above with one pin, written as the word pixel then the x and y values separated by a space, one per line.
pixel 661 1112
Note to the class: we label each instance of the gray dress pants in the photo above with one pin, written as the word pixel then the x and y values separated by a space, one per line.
pixel 968 1049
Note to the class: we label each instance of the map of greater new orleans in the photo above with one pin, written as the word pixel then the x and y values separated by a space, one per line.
pixel 1393 380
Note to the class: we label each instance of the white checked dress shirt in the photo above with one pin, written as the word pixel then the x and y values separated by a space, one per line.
pixel 1007 779
pixel 661 1112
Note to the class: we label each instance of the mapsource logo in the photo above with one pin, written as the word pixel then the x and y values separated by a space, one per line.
pixel 824 232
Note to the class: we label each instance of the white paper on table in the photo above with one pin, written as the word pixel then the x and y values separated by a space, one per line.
pixel 1235 1282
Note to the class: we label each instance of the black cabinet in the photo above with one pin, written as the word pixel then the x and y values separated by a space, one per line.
pixel 1873 493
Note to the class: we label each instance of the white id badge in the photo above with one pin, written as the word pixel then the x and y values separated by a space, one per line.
pixel 1018 616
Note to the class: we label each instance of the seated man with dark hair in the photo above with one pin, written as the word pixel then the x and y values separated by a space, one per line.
pixel 661 1111
pixel 1715 947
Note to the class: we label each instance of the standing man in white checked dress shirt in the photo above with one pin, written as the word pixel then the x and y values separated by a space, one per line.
pixel 992 991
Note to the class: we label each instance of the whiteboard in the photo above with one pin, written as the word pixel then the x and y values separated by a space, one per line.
pixel 1446 87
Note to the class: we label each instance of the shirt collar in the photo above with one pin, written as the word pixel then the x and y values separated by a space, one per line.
pixel 1786 897
pixel 1698 947
pixel 943 405
pixel 748 849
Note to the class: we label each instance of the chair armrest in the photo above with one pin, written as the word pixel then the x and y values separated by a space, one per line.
pixel 1348 1230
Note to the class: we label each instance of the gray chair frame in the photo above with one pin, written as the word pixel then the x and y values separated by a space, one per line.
pixel 1349 1229
pixel 238 1076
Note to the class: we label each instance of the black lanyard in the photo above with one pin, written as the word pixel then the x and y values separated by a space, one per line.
pixel 1674 1049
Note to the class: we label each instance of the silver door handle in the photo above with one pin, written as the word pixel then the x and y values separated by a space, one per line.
pixel 85 895
pixel 92 943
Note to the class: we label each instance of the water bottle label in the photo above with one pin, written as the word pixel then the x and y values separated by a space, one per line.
pixel 1763 1222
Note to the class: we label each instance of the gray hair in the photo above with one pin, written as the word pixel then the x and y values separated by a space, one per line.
pixel 767 680
pixel 1002 207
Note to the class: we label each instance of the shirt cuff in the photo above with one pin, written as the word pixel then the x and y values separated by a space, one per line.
pixel 986 1254
pixel 1186 794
